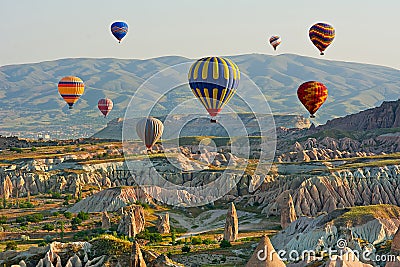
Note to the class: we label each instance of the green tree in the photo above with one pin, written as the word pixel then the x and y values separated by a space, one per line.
pixel 11 245
pixel 76 221
pixel 48 227
pixel 62 230
pixel 225 244
pixel 68 215
pixel 83 215
pixel 173 236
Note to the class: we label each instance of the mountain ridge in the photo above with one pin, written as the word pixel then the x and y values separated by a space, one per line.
pixel 30 101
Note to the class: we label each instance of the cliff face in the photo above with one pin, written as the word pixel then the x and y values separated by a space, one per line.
pixel 324 193
pixel 385 116
pixel 359 229
pixel 337 148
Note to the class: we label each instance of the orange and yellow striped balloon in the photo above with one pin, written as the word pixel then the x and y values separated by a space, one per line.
pixel 71 88
pixel 312 95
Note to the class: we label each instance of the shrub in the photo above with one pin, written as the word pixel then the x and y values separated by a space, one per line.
pixel 207 241
pixel 48 238
pixel 16 149
pixel 11 245
pixel 37 217
pixel 20 220
pixel 55 214
pixel 186 249
pixel 42 244
pixel 76 221
pixel 225 244
pixel 24 205
pixel 83 215
pixel 3 219
pixel 152 237
pixel 68 215
pixel 196 241
pixel 48 227
pixel 25 237
pixel 33 149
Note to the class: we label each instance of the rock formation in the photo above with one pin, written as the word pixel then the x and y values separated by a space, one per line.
pixel 6 187
pixel 164 261
pixel 313 194
pixel 132 220
pixel 136 256
pixel 395 250
pixel 231 230
pixel 385 116
pixel 163 226
pixel 324 231
pixel 264 255
pixel 105 220
pixel 288 214
pixel 111 199
pixel 74 261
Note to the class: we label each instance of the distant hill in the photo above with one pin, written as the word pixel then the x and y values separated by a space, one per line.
pixel 29 99
pixel 202 127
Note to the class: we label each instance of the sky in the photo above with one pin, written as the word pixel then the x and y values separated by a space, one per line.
pixel 367 31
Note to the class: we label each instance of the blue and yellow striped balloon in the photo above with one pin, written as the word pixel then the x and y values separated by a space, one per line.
pixel 214 81
pixel 71 88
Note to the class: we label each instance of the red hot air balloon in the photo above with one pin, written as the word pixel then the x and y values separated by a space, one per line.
pixel 105 105
pixel 312 95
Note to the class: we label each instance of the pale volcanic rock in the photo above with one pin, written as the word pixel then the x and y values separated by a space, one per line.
pixel 163 225
pixel 105 220
pixel 74 261
pixel 268 258
pixel 6 187
pixel 132 220
pixel 164 261
pixel 136 259
pixel 288 213
pixel 313 194
pixel 231 230
pixel 111 199
pixel 310 233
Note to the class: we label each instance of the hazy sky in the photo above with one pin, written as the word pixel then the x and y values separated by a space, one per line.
pixel 367 31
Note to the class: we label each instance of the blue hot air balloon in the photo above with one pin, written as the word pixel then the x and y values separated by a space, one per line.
pixel 119 29
pixel 213 81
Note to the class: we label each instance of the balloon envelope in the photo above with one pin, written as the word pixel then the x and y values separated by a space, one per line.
pixel 105 105
pixel 275 41
pixel 214 81
pixel 149 130
pixel 312 95
pixel 71 88
pixel 119 29
pixel 321 35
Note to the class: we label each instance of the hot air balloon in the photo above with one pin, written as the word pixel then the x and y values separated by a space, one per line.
pixel 71 88
pixel 275 41
pixel 312 95
pixel 149 130
pixel 213 81
pixel 119 29
pixel 322 35
pixel 105 105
